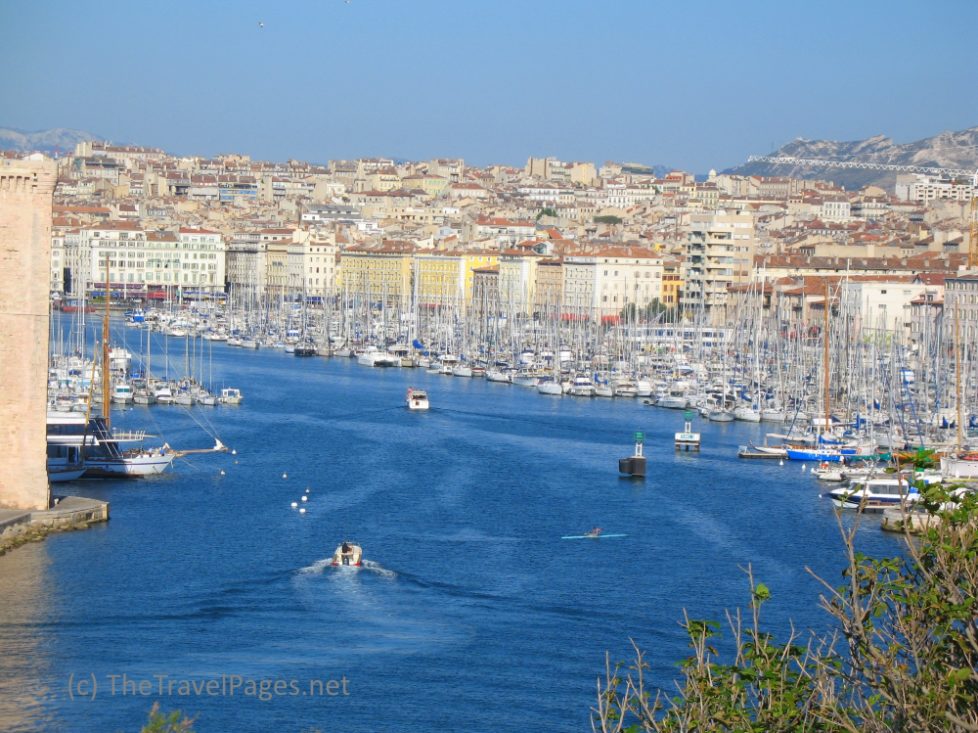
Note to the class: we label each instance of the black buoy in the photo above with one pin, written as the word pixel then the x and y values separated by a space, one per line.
pixel 634 465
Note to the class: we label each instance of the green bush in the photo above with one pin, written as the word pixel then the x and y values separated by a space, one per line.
pixel 903 654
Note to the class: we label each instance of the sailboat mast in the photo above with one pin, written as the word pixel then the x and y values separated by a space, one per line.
pixel 106 409
pixel 957 373
pixel 825 360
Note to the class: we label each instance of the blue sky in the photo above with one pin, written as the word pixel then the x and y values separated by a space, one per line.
pixel 694 85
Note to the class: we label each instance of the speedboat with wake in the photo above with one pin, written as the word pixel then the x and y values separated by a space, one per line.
pixel 595 533
pixel 417 399
pixel 348 554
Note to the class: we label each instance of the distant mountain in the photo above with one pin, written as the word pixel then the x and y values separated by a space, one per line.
pixel 58 140
pixel 946 150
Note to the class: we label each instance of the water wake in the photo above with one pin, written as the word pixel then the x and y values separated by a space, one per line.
pixel 319 566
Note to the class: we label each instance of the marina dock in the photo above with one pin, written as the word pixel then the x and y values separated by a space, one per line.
pixel 68 513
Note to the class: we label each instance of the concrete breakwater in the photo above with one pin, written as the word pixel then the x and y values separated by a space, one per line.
pixel 68 513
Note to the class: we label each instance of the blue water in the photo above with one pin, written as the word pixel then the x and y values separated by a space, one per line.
pixel 473 615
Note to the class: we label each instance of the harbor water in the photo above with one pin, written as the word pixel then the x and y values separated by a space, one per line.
pixel 472 613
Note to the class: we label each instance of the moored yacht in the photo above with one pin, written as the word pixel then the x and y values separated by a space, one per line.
pixel 581 386
pixel 550 386
pixel 230 396
pixel 373 357
pixel 100 448
pixel 880 493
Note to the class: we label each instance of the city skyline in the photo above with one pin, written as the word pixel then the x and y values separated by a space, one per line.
pixel 631 81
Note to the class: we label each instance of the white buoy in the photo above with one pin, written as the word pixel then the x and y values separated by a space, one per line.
pixel 803 467
pixel 295 504
pixel 234 452
pixel 307 489
pixel 285 475
pixel 222 471
pixel 305 498
pixel 780 461
pixel 302 510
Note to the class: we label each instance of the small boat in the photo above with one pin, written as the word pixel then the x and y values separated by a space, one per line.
pixel 122 393
pixel 305 348
pixel 875 494
pixel 761 451
pixel 417 399
pixel 826 471
pixel 348 554
pixel 230 396
pixel 549 386
pixel 581 386
pixel 373 357
pixel 592 534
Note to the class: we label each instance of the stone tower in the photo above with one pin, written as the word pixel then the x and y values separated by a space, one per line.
pixel 26 196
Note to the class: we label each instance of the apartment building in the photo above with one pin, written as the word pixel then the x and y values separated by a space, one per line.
pixel 961 309
pixel 923 188
pixel 189 261
pixel 446 278
pixel 719 252
pixel 517 281
pixel 602 284
pixel 379 273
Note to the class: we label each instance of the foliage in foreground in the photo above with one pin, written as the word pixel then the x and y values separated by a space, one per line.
pixel 173 722
pixel 903 655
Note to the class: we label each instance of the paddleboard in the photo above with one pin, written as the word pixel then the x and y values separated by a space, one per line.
pixel 591 537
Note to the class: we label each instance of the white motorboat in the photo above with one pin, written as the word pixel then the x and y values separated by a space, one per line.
pixel 417 399
pixel 144 396
pixel 746 414
pixel 675 400
pixel 347 554
pixel 603 390
pixel 373 357
pixel 771 414
pixel 881 493
pixel 830 471
pixel 230 396
pixel 581 386
pixel 961 466
pixel 164 395
pixel 122 393
pixel 526 379
pixel 549 386
pixel 625 388
pixel 497 375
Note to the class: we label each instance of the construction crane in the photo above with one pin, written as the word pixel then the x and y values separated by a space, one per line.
pixel 894 168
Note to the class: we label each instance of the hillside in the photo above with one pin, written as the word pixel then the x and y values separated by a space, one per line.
pixel 58 140
pixel 945 150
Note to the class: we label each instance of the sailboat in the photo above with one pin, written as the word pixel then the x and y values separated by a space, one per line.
pixel 961 464
pixel 100 447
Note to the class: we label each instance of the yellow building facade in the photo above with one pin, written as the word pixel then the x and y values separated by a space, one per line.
pixel 381 273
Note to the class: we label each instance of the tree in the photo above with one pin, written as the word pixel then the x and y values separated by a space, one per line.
pixel 647 312
pixel 547 212
pixel 903 655
pixel 608 219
